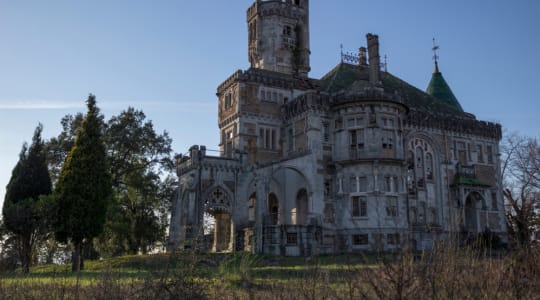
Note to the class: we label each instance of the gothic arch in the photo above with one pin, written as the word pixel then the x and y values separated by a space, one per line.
pixel 218 198
pixel 473 204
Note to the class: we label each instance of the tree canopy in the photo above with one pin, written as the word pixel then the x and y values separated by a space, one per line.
pixel 83 190
pixel 22 211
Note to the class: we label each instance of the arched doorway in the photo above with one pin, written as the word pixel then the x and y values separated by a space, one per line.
pixel 300 212
pixel 473 201
pixel 273 208
pixel 219 207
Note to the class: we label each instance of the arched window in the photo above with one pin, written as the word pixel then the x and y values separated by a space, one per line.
pixel 419 164
pixel 273 208
pixel 429 166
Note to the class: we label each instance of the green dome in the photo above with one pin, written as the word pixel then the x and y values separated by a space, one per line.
pixel 439 89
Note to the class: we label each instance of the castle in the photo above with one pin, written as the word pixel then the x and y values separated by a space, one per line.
pixel 358 160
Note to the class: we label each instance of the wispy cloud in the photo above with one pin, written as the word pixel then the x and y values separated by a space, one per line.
pixel 180 106
pixel 38 104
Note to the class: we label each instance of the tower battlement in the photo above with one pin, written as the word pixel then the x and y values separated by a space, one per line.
pixel 278 36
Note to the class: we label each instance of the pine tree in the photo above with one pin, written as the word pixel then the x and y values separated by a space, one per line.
pixel 84 187
pixel 22 209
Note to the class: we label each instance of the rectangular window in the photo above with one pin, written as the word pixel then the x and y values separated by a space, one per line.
pixel 494 201
pixel 292 238
pixel 392 239
pixel 388 184
pixel 360 239
pixel 326 132
pixel 360 138
pixel 387 139
pixel 391 207
pixel 489 154
pixel 352 139
pixel 479 153
pixel 327 187
pixel 352 185
pixel 362 186
pixel 359 206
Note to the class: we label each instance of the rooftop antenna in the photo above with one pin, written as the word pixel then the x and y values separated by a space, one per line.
pixel 435 56
pixel 385 64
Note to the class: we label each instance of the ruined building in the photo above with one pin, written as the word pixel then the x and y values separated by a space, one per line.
pixel 356 160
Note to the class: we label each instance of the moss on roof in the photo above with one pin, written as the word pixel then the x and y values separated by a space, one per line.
pixel 439 89
pixel 346 78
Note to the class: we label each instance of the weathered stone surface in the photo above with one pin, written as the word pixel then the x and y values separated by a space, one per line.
pixel 357 160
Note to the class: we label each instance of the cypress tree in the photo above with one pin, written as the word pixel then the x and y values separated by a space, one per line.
pixel 29 180
pixel 84 187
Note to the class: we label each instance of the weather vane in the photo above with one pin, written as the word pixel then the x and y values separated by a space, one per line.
pixel 435 48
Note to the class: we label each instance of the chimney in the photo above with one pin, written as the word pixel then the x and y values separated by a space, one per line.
pixel 374 59
pixel 362 58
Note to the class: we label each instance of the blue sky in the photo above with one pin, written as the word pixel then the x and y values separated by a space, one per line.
pixel 168 57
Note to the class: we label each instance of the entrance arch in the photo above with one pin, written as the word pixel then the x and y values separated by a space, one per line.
pixel 472 204
pixel 218 205
pixel 300 212
pixel 273 208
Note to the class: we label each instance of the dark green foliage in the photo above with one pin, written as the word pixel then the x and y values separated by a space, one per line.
pixel 83 190
pixel 22 211
pixel 58 147
pixel 139 159
pixel 142 180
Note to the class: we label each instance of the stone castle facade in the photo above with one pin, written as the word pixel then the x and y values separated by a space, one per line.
pixel 356 160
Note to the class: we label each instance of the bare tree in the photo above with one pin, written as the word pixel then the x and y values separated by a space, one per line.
pixel 520 157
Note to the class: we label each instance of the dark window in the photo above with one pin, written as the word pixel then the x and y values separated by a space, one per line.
pixel 392 239
pixel 360 239
pixel 292 238
pixel 359 206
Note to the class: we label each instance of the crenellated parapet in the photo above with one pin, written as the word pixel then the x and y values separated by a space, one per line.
pixel 197 158
pixel 423 119
pixel 305 102
pixel 268 78
pixel 275 8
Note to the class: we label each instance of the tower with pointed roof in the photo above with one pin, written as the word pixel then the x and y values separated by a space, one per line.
pixel 439 89
pixel 357 160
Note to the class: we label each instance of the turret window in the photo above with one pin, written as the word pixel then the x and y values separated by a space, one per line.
pixel 287 30
pixel 267 138
pixel 489 150
pixel 391 207
pixel 359 206
pixel 479 153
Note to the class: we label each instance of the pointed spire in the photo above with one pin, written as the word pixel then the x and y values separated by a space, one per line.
pixel 438 87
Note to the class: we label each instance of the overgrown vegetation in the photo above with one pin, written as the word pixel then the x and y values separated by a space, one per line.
pixel 444 273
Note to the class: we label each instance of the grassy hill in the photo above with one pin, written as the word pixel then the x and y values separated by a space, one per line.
pixel 441 274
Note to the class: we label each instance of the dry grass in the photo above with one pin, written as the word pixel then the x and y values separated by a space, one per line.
pixel 444 273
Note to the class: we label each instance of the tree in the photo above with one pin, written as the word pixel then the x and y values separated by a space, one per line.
pixel 521 174
pixel 83 190
pixel 57 148
pixel 141 166
pixel 23 210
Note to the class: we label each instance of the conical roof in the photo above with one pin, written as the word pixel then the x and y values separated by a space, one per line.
pixel 439 89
